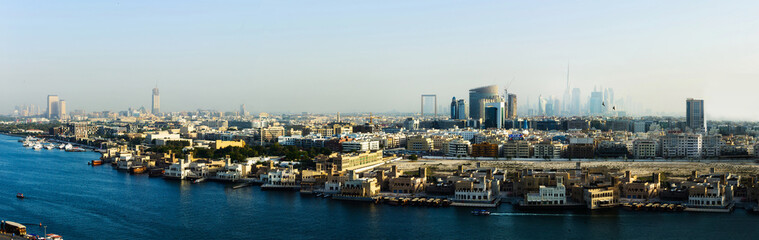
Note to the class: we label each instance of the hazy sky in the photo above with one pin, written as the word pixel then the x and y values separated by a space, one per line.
pixel 328 56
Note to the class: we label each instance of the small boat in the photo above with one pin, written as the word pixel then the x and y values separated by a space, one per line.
pixel 242 185
pixel 96 162
pixel 481 212
pixel 49 146
pixel 199 180
pixel 156 172
pixel 138 170
pixel 37 146
pixel 19 195
pixel 53 236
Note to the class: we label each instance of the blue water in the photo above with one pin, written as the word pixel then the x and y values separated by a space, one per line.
pixel 79 201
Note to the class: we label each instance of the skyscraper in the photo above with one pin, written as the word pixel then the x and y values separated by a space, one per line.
pixel 476 97
pixel 61 114
pixel 576 102
pixel 454 107
pixel 52 106
pixel 494 114
pixel 695 115
pixel 596 103
pixel 463 109
pixel 512 106
pixel 156 102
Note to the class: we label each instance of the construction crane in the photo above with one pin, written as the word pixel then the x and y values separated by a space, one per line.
pixel 371 118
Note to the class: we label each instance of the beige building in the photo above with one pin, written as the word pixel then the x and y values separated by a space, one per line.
pixel 219 144
pixel 516 149
pixel 596 198
pixel 337 162
pixel 419 143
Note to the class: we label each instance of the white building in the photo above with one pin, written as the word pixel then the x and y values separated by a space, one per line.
pixel 280 178
pixel 548 195
pixel 178 170
pixel 478 189
pixel 682 145
pixel 710 195
pixel 288 140
pixel 459 148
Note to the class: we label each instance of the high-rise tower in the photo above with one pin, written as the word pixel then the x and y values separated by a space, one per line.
pixel 694 115
pixel 156 102
pixel 52 106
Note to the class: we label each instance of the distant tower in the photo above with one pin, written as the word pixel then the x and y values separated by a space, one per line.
pixel 61 109
pixel 512 106
pixel 52 106
pixel 242 110
pixel 156 102
pixel 694 115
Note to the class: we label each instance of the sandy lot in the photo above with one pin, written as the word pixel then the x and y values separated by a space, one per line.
pixel 640 168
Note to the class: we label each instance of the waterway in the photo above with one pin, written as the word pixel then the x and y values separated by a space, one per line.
pixel 79 201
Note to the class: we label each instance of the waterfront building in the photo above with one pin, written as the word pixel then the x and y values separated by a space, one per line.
pixel 476 190
pixel 234 171
pixel 359 188
pixel 694 115
pixel 476 100
pixel 280 179
pixel 710 195
pixel 311 180
pixel 407 184
pixel 548 195
pixel 633 190
pixel 156 102
pixel 601 197
pixel 179 170
pixel 458 148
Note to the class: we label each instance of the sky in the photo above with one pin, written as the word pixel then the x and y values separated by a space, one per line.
pixel 380 56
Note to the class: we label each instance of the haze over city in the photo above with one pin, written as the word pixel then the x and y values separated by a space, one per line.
pixel 312 56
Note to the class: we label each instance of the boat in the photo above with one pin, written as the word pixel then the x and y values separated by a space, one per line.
pixel 199 180
pixel 156 172
pixel 49 146
pixel 75 149
pixel 37 146
pixel 242 185
pixel 62 146
pixel 138 170
pixel 53 236
pixel 20 195
pixel 68 146
pixel 481 212
pixel 96 162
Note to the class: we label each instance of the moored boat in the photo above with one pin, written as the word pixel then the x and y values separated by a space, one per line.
pixel 481 212
pixel 96 162
pixel 138 170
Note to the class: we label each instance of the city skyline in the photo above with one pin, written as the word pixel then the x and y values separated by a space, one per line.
pixel 237 59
